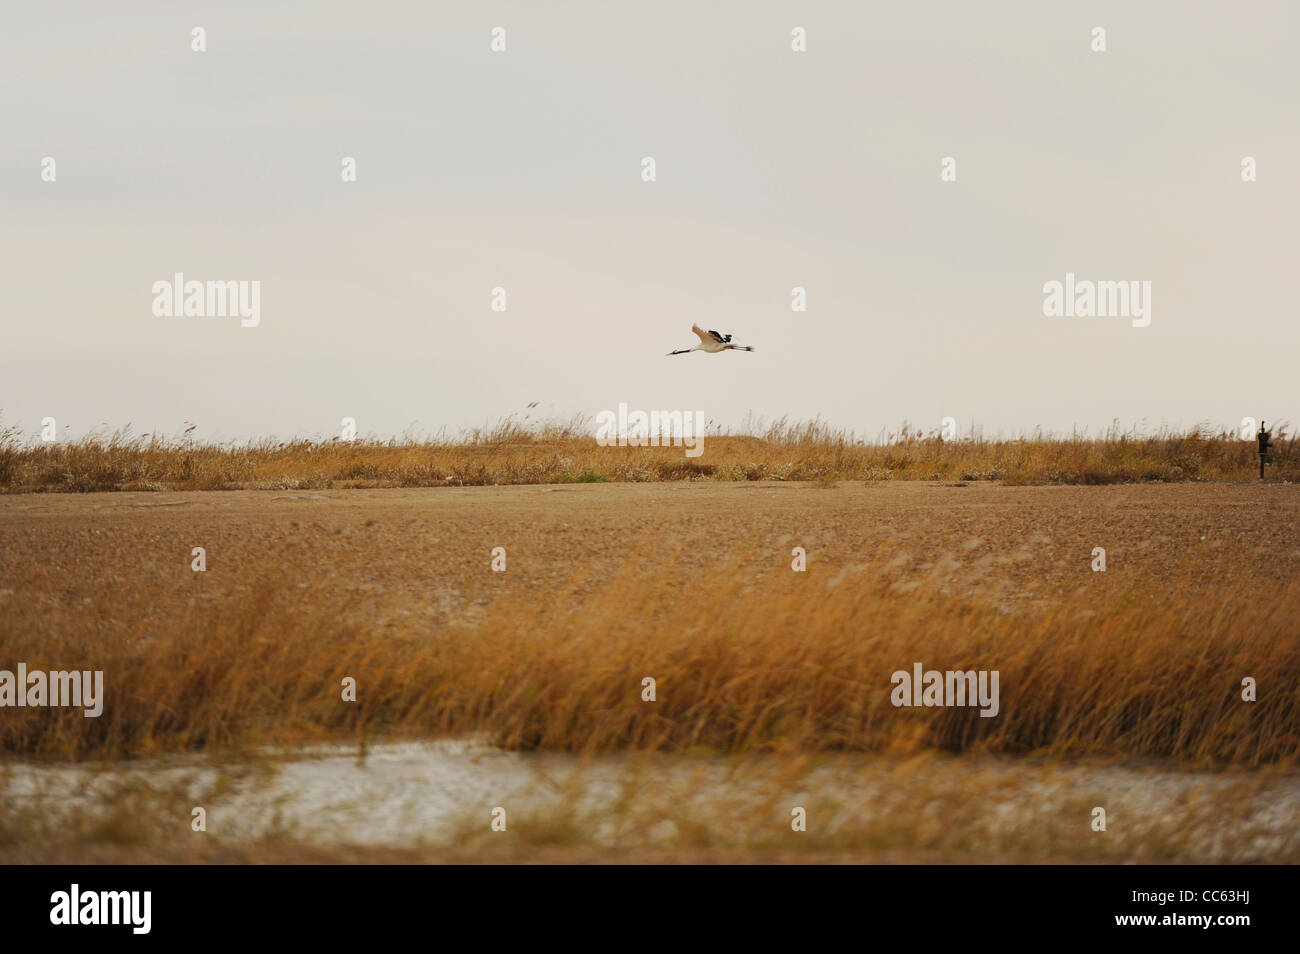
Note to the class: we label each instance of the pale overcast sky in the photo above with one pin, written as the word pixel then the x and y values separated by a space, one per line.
pixel 522 169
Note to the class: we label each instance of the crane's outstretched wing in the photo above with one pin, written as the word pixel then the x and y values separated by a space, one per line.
pixel 709 337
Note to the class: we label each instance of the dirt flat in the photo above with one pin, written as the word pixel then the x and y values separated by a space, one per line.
pixel 433 546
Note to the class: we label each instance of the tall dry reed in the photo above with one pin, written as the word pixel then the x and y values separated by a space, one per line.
pixel 521 452
pixel 787 662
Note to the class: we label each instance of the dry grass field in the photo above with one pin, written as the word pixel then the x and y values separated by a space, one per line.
pixel 690 583
pixel 522 451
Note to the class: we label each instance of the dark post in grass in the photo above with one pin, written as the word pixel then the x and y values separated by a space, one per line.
pixel 1264 445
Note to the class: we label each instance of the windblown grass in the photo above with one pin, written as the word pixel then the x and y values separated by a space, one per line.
pixel 521 452
pixel 790 663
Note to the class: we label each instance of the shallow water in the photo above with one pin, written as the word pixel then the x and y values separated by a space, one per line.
pixel 428 793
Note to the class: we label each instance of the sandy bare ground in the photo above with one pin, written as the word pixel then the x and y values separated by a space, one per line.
pixel 431 548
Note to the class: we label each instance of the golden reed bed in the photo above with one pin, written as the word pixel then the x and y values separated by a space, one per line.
pixel 519 452
pixel 786 662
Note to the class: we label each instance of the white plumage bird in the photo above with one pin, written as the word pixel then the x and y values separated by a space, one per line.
pixel 711 342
